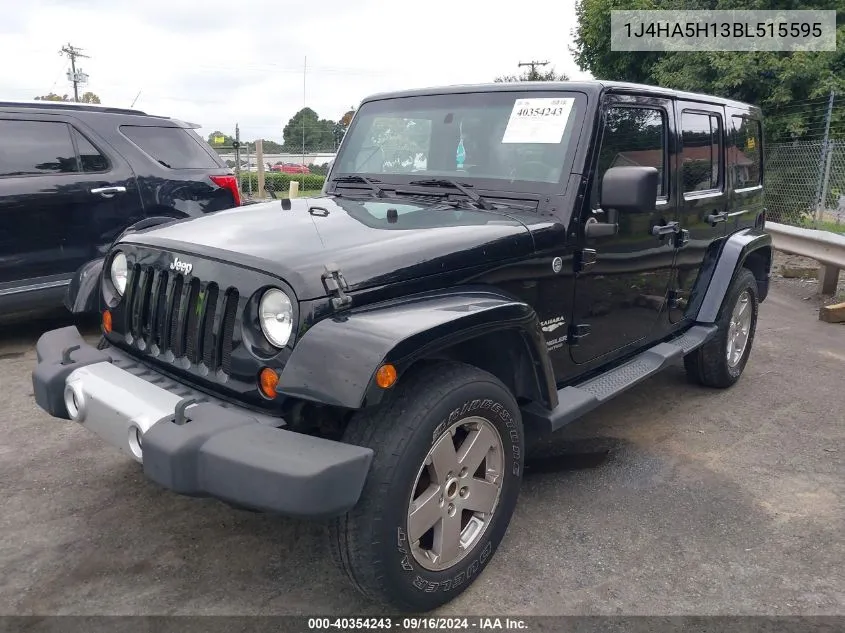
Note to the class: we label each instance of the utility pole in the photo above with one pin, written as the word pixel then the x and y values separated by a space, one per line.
pixel 76 77
pixel 533 64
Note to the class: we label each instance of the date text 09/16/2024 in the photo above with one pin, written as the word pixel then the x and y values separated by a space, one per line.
pixel 417 624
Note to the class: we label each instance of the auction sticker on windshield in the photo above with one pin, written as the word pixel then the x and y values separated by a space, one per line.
pixel 538 120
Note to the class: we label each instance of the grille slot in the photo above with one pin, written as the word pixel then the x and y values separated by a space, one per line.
pixel 185 317
pixel 193 308
pixel 174 341
pixel 209 357
pixel 229 316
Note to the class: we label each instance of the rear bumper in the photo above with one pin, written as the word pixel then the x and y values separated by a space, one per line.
pixel 215 449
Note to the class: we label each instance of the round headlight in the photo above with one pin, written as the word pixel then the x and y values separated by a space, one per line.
pixel 118 273
pixel 275 313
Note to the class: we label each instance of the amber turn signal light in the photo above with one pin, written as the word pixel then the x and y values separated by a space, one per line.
pixel 267 381
pixel 386 376
pixel 107 322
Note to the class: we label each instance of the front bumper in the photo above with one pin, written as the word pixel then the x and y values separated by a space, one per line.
pixel 213 449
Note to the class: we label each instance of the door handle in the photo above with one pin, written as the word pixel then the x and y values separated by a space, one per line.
pixel 659 230
pixel 715 218
pixel 108 192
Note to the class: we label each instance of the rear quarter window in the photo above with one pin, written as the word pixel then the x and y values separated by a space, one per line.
pixel 171 147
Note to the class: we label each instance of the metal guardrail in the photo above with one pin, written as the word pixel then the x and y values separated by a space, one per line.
pixel 826 248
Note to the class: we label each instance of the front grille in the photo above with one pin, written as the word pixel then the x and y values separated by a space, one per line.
pixel 191 319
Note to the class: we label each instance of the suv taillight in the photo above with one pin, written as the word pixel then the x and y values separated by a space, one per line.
pixel 230 183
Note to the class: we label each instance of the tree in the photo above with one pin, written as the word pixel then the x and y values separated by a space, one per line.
pixel 271 147
pixel 307 131
pixel 776 81
pixel 88 97
pixel 534 74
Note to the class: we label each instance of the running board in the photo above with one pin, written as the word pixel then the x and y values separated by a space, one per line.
pixel 575 401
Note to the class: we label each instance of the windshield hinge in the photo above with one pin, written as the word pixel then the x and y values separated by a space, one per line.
pixel 584 258
pixel 335 284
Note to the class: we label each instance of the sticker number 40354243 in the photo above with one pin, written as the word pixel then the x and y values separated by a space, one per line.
pixel 538 120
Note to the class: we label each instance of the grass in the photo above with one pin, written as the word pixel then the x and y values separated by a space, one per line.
pixel 833 227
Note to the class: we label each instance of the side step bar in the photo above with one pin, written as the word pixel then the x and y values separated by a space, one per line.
pixel 575 401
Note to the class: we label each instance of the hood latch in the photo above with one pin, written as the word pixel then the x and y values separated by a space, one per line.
pixel 335 284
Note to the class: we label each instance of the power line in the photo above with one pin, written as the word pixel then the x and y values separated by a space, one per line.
pixel 76 77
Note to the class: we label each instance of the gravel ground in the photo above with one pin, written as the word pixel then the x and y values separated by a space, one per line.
pixel 672 499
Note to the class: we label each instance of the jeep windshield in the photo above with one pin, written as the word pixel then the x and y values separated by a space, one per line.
pixel 498 140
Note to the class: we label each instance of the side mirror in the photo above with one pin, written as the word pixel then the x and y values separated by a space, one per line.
pixel 629 189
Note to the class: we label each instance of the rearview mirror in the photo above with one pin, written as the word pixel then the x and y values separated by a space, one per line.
pixel 630 189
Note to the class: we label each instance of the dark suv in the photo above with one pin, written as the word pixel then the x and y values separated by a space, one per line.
pixel 486 264
pixel 74 176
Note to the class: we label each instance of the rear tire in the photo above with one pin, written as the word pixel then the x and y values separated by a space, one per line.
pixel 720 362
pixel 435 414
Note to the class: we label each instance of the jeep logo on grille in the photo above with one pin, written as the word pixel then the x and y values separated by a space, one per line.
pixel 181 267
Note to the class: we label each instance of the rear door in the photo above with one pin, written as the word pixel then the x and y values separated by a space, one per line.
pixel 60 198
pixel 703 207
pixel 745 177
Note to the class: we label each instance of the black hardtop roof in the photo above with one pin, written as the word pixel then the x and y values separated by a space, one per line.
pixel 591 88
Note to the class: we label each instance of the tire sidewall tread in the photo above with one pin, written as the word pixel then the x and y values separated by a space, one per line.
pixel 370 542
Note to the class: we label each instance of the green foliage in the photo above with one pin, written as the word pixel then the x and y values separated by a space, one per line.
pixel 772 80
pixel 271 147
pixel 87 97
pixel 281 182
pixel 306 129
pixel 533 74
pixel 321 170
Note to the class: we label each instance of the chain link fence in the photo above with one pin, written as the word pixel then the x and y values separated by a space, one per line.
pixel 805 184
pixel 805 176
pixel 307 169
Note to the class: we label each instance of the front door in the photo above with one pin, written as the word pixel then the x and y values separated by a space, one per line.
pixel 620 298
pixel 703 210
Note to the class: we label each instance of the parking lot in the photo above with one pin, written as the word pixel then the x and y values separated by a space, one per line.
pixel 707 502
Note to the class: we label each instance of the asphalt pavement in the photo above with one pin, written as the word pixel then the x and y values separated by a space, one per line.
pixel 672 499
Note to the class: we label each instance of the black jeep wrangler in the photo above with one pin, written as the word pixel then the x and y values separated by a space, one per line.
pixel 486 262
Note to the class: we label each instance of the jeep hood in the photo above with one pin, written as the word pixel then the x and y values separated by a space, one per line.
pixel 371 244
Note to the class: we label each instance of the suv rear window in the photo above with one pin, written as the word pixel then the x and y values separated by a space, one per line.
pixel 173 147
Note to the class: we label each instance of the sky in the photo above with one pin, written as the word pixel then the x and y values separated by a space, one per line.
pixel 221 62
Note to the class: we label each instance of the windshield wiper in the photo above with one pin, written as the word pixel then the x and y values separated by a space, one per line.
pixel 370 182
pixel 448 182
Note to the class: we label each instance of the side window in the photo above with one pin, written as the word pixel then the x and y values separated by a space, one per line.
pixel 701 156
pixel 633 137
pixel 744 155
pixel 90 158
pixel 36 148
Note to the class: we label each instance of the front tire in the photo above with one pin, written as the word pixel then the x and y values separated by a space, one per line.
pixel 442 487
pixel 720 362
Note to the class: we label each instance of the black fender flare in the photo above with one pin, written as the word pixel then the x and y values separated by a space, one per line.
pixel 336 360
pixel 737 250
pixel 82 296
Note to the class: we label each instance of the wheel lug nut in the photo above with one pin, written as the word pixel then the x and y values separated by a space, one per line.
pixel 451 509
pixel 463 472
pixel 463 491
